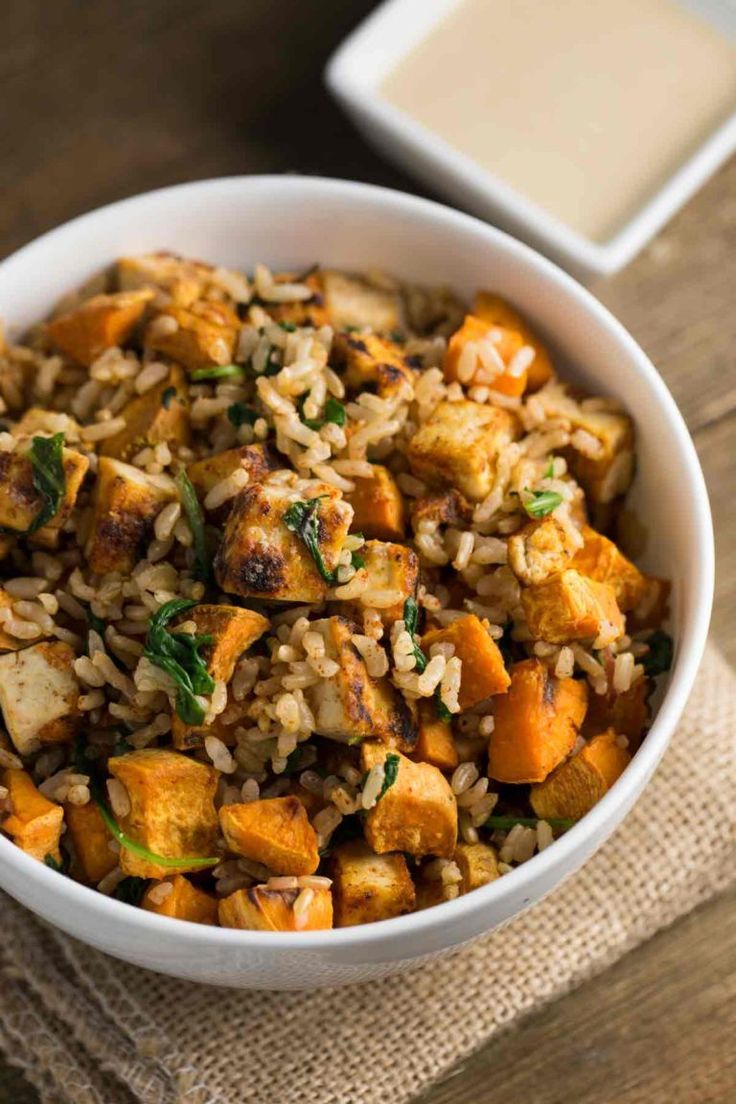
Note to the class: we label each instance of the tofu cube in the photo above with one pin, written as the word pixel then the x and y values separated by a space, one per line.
pixel 99 323
pixel 180 280
pixel 393 574
pixel 443 508
pixel 540 549
pixel 34 823
pixel 183 901
pixel 478 863
pixel 350 705
pixel 125 504
pixel 264 909
pixel 570 607
pixel 378 506
pixel 496 310
pixel 260 558
pixel 367 360
pixel 368 887
pixel 197 336
pixel 459 446
pixel 302 312
pixel 417 814
pixel 91 840
pixel 607 475
pixel 20 502
pixel 600 559
pixel 9 643
pixel 352 301
pixel 38 695
pixel 172 811
pixel 575 787
pixel 483 670
pixel 258 460
pixel 435 743
pixel 160 415
pixel 275 832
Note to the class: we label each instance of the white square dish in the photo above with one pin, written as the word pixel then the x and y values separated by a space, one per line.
pixel 355 75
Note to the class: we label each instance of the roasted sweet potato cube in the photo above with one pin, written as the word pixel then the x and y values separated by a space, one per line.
pixel 183 901
pixel 34 822
pixel 353 301
pixel 275 832
pixel 125 504
pixel 20 502
pixel 91 840
pixel 378 506
pixel 459 445
pixel 38 695
pixel 182 280
pixel 443 508
pixel 393 573
pixel 653 609
pixel 536 723
pixel 574 788
pixel 608 474
pixel 350 705
pixel 483 670
pixel 417 814
pixel 98 323
pixel 434 744
pixel 197 336
pixel 569 607
pixel 540 549
pixel 492 308
pixel 486 354
pixel 478 863
pixel 600 559
pixel 627 713
pixel 158 416
pixel 172 811
pixel 368 360
pixel 232 629
pixel 260 558
pixel 264 909
pixel 368 887
pixel 258 460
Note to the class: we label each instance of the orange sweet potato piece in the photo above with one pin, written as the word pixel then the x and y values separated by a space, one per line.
pixel 91 841
pixel 511 380
pixel 627 713
pixel 536 723
pixel 573 789
pixel 378 507
pixel 264 909
pixel 34 822
pixel 275 832
pixel 600 559
pixel 204 334
pixel 492 308
pixel 98 323
pixel 184 901
pixel 568 606
pixel 434 744
pixel 653 609
pixel 232 629
pixel 483 671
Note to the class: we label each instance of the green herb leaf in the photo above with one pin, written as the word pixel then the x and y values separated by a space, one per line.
pixel 290 327
pixel 334 412
pixel 130 890
pixel 138 849
pixel 397 336
pixel 218 372
pixel 167 396
pixel 357 560
pixel 239 414
pixel 50 861
pixel 302 518
pixel 193 511
pixel 47 459
pixel 95 622
pixel 541 503
pixel 550 471
pixel 178 655
pixel 390 773
pixel 411 619
pixel 443 712
pixel 659 657
pixel 505 823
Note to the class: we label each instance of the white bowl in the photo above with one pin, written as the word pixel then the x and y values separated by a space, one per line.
pixel 354 75
pixel 294 221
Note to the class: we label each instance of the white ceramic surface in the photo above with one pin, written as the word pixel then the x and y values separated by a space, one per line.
pixel 354 75
pixel 293 221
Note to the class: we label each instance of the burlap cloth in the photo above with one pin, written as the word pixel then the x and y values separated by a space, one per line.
pixel 87 1028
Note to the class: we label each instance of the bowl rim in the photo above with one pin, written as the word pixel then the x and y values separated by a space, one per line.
pixel 688 650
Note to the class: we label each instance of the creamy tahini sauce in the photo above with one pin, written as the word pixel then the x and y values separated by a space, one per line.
pixel 584 106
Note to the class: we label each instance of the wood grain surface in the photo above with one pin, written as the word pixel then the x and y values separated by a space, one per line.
pixel 103 99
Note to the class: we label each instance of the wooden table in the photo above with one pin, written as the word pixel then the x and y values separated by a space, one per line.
pixel 104 99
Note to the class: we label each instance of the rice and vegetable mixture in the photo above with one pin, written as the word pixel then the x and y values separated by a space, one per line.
pixel 312 612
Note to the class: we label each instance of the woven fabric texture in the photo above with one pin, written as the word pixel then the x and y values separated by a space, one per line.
pixel 91 1030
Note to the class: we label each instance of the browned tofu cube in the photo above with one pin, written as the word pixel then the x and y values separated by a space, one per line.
pixel 435 743
pixel 368 887
pixel 9 643
pixel 258 460
pixel 443 508
pixel 183 901
pixel 483 670
pixel 575 787
pixel 39 420
pixel 378 506
pixel 275 832
pixel 430 892
pixel 264 909
pixel 540 549
pixel 302 312
pixel 34 823
pixel 354 302
pixel 393 574
pixel 261 558
pixel 98 323
pixel 172 811
pixel 158 416
pixel 126 502
pixel 600 559
pixel 459 445
pixel 38 695
pixel 478 863
pixel 182 280
pixel 91 840
pixel 197 336
pixel 21 503
pixel 350 705
pixel 609 474
pixel 571 607
pixel 417 814
pixel 367 360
